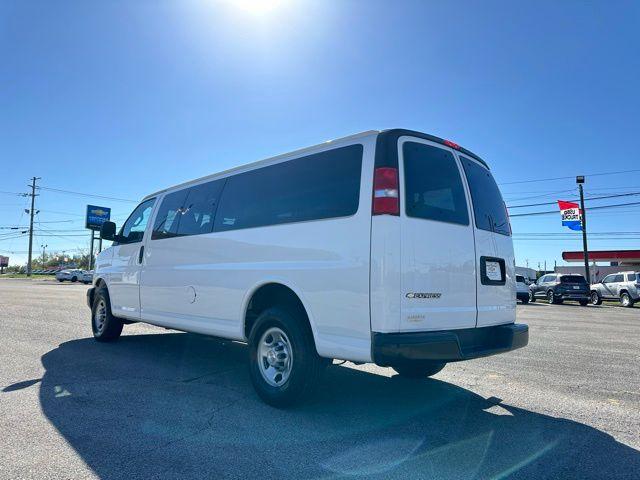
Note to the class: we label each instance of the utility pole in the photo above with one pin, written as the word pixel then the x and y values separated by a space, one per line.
pixel 44 247
pixel 580 181
pixel 31 213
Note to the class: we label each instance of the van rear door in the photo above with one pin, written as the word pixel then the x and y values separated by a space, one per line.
pixel 438 261
pixel 494 247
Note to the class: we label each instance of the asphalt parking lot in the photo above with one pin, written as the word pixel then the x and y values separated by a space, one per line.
pixel 162 404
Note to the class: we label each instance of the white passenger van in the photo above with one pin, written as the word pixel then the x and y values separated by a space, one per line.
pixel 391 247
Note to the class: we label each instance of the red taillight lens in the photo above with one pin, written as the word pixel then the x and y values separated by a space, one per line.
pixel 385 192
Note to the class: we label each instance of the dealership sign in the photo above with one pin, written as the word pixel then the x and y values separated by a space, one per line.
pixel 571 215
pixel 96 216
pixel 4 261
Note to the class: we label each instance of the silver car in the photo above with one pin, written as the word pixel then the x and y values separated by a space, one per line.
pixel 622 286
pixel 69 275
pixel 86 277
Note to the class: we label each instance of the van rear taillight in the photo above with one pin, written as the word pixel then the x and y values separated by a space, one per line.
pixel 386 200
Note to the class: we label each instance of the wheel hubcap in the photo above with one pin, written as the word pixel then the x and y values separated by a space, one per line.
pixel 625 300
pixel 274 357
pixel 100 316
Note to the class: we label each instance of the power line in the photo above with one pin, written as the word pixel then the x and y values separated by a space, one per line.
pixel 586 199
pixel 573 234
pixel 570 177
pixel 549 212
pixel 15 193
pixel 90 195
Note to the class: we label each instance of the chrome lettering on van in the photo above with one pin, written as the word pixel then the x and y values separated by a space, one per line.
pixel 423 295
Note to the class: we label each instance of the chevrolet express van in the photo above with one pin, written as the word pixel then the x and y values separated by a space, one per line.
pixel 392 247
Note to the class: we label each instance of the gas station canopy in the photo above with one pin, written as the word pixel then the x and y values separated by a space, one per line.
pixel 622 257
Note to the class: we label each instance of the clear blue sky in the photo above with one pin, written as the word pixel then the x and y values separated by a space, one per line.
pixel 122 98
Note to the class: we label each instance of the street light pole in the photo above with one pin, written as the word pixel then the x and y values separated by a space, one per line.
pixel 44 247
pixel 580 181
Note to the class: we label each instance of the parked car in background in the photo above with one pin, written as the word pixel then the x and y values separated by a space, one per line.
pixel 558 287
pixel 69 275
pixel 623 286
pixel 86 277
pixel 522 289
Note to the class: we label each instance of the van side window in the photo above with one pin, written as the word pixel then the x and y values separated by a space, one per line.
pixel 488 205
pixel 433 186
pixel 167 219
pixel 199 208
pixel 133 229
pixel 323 185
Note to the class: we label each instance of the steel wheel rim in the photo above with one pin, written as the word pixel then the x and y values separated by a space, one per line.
pixel 100 316
pixel 275 358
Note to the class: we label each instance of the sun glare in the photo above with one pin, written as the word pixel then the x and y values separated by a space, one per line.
pixel 256 6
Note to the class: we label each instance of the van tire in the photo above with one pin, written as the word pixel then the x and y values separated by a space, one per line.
pixel 105 327
pixel 626 300
pixel 596 299
pixel 291 332
pixel 417 368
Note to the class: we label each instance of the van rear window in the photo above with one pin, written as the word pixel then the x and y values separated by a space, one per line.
pixel 488 205
pixel 433 186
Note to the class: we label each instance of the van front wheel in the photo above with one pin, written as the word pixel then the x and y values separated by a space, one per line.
pixel 417 369
pixel 283 364
pixel 106 327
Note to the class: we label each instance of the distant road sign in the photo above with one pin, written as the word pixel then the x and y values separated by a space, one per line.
pixel 96 216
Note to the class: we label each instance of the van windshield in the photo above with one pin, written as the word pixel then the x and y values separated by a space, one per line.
pixel 572 279
pixel 488 205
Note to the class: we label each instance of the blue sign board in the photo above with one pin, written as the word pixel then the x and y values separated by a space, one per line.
pixel 96 216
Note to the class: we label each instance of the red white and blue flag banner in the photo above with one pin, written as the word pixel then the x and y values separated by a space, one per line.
pixel 571 215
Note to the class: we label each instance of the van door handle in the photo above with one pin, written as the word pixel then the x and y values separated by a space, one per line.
pixel 141 254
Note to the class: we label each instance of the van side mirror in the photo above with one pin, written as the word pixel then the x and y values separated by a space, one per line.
pixel 108 231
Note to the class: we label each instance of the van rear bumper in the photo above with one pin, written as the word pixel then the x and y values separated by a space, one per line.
pixel 448 345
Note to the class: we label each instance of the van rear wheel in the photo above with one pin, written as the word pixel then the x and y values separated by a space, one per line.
pixel 417 368
pixel 283 363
